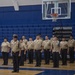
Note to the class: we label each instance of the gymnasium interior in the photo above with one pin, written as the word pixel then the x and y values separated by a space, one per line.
pixel 24 18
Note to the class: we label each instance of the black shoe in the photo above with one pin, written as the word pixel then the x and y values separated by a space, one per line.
pixel 13 71
pixel 64 64
pixel 47 63
pixel 29 63
pixel 71 62
pixel 37 65
pixel 21 65
pixel 17 71
pixel 2 64
pixel 5 64
pixel 55 66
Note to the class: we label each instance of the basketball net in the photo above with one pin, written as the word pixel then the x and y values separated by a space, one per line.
pixel 54 17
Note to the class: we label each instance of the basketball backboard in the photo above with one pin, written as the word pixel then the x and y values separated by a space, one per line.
pixel 56 9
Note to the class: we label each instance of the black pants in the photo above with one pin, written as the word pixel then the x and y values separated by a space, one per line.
pixel 25 58
pixel 47 56
pixel 71 54
pixel 21 61
pixel 30 56
pixel 64 56
pixel 5 58
pixel 38 57
pixel 15 57
pixel 55 59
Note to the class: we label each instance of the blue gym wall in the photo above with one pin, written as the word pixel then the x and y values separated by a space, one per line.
pixel 28 21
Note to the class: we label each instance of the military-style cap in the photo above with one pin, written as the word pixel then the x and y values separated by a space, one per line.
pixel 15 35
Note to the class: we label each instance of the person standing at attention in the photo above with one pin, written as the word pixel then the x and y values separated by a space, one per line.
pixel 22 51
pixel 5 47
pixel 15 53
pixel 55 50
pixel 71 48
pixel 64 49
pixel 46 46
pixel 30 46
pixel 25 41
pixel 38 48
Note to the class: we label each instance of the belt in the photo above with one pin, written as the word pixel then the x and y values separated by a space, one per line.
pixel 38 50
pixel 15 52
pixel 63 48
pixel 46 49
pixel 71 47
pixel 30 49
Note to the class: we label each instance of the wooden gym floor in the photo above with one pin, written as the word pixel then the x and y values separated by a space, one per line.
pixel 30 69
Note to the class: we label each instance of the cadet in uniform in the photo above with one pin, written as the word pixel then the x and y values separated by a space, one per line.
pixel 40 36
pixel 30 47
pixel 46 46
pixel 5 47
pixel 22 51
pixel 51 39
pixel 55 50
pixel 64 48
pixel 25 41
pixel 71 45
pixel 38 48
pixel 15 53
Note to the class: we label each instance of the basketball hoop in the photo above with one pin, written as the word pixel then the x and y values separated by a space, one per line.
pixel 54 17
pixel 56 9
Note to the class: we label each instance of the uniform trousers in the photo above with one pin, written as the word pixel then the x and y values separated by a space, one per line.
pixel 15 57
pixel 21 61
pixel 47 56
pixel 64 56
pixel 71 54
pixel 25 57
pixel 30 56
pixel 5 58
pixel 38 57
pixel 55 59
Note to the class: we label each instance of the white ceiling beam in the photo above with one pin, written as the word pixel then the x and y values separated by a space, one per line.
pixel 15 4
pixel 8 3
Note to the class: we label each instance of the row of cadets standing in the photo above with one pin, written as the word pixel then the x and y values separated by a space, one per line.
pixel 20 48
pixel 64 47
